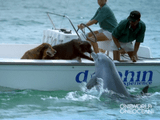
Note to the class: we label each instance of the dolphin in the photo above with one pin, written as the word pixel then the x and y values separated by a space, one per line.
pixel 105 70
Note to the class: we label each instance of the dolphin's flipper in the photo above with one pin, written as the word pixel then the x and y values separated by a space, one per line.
pixel 145 90
pixel 92 83
pixel 99 84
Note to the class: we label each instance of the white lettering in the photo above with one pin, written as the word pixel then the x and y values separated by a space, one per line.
pixel 136 109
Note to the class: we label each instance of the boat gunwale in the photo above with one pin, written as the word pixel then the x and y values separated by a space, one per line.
pixel 74 63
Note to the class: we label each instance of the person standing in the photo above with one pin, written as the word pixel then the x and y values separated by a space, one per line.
pixel 107 22
pixel 128 30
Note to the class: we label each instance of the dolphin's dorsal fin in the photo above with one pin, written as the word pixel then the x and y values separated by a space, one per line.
pixel 145 90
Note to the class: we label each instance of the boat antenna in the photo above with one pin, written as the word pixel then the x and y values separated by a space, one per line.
pixel 51 21
pixel 65 17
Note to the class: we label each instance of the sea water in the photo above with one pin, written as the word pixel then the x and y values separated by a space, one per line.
pixel 23 22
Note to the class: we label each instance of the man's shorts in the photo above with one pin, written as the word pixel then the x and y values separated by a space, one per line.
pixel 106 33
pixel 111 46
pixel 127 46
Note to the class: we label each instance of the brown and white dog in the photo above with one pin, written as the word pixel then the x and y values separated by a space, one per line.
pixel 72 49
pixel 41 52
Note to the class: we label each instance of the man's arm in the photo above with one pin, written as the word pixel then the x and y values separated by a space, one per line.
pixel 116 41
pixel 136 47
pixel 91 22
pixel 134 56
pixel 121 50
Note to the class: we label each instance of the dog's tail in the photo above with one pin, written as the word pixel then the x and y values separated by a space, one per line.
pixel 145 90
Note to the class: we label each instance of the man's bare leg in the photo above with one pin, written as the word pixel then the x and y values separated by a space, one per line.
pixel 100 37
pixel 116 55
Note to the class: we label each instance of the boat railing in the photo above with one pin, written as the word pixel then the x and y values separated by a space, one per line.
pixel 64 17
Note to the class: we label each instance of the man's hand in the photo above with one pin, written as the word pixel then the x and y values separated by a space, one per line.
pixel 122 51
pixel 134 58
pixel 81 26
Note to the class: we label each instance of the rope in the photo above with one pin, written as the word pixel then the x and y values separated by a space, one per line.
pixel 139 57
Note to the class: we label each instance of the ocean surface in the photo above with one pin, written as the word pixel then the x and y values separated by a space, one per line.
pixel 23 22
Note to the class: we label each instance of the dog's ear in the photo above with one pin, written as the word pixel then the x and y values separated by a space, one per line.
pixel 85 44
pixel 81 45
pixel 46 46
pixel 79 42
pixel 41 47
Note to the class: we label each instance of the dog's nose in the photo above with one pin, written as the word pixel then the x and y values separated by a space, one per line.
pixel 91 50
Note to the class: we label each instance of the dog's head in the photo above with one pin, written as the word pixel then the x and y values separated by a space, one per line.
pixel 48 50
pixel 86 47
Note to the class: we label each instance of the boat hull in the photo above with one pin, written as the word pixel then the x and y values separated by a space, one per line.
pixel 52 75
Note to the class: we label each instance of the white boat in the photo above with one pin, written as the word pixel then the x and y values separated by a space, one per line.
pixel 52 75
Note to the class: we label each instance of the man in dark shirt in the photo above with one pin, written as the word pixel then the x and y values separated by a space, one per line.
pixel 127 31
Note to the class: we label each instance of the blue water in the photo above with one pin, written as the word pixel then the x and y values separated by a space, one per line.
pixel 23 22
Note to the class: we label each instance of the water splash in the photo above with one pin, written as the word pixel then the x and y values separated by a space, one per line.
pixel 96 90
pixel 76 96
